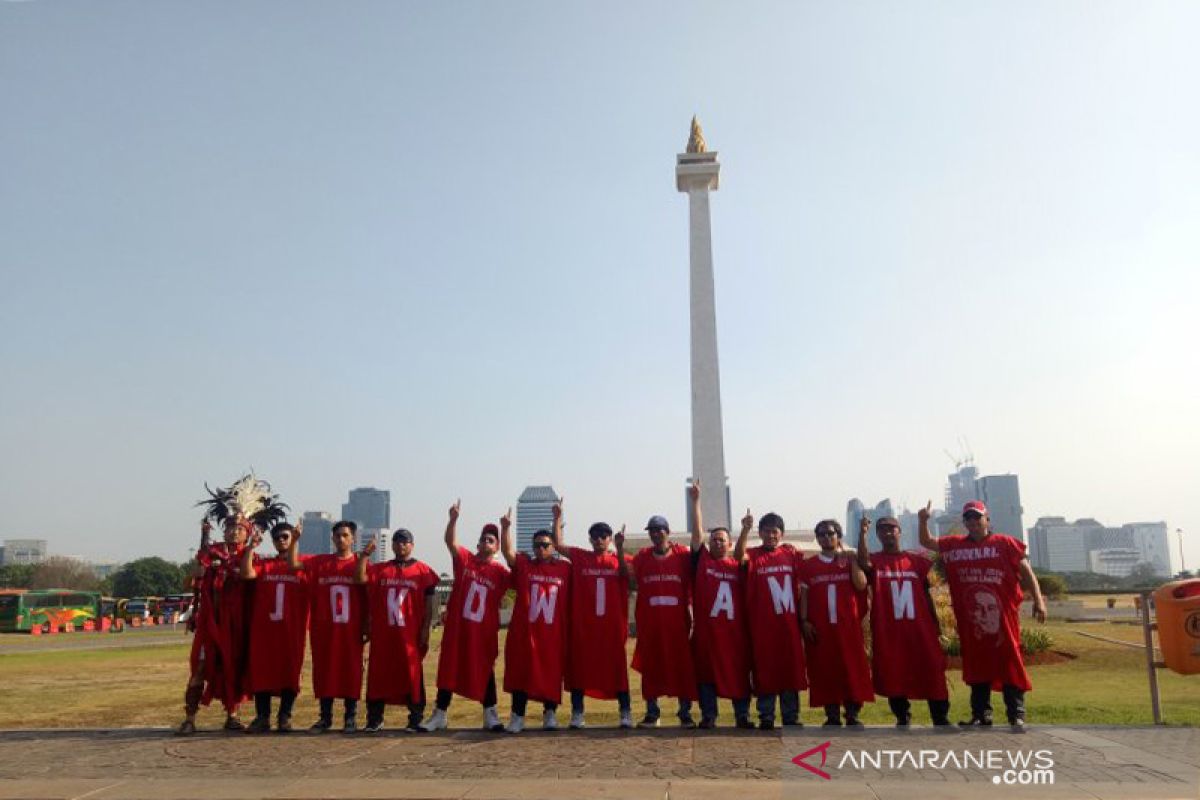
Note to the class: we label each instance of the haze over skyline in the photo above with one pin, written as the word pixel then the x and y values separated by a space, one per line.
pixel 439 250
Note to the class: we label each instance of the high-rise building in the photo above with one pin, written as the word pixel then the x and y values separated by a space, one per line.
pixel 1002 495
pixel 697 173
pixel 1087 545
pixel 960 487
pixel 854 514
pixel 368 507
pixel 24 551
pixel 318 528
pixel 383 543
pixel 535 511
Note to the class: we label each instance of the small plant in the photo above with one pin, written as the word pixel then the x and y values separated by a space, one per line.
pixel 1035 640
pixel 1112 602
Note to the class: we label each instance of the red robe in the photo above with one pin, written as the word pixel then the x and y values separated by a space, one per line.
pixel 663 653
pixel 535 651
pixel 599 625
pixel 719 638
pixel 278 627
pixel 772 609
pixel 906 655
pixel 837 660
pixel 220 646
pixel 985 589
pixel 338 606
pixel 398 594
pixel 469 643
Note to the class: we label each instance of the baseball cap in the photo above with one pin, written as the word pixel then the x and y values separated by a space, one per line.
pixel 490 528
pixel 402 535
pixel 658 521
pixel 884 522
pixel 975 505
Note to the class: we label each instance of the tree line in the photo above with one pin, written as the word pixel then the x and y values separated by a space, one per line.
pixel 145 577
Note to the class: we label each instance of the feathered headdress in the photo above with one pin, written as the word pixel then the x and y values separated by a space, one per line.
pixel 249 497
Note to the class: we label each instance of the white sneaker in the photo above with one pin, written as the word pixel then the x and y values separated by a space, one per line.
pixel 549 720
pixel 437 721
pixel 626 719
pixel 577 720
pixel 516 724
pixel 491 720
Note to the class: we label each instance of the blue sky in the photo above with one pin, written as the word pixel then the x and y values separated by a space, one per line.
pixel 438 249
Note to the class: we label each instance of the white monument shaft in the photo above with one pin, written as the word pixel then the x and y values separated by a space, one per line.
pixel 696 173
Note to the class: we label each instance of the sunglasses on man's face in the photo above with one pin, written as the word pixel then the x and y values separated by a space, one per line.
pixel 972 515
pixel 542 545
pixel 825 534
pixel 278 536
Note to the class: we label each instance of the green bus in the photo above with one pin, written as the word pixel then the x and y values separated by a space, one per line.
pixel 21 611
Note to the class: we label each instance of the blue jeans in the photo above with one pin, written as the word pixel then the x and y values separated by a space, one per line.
pixel 708 703
pixel 577 701
pixel 653 711
pixel 789 707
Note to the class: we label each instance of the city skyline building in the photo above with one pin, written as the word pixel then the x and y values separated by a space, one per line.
pixel 697 172
pixel 535 511
pixel 960 487
pixel 24 551
pixel 315 539
pixel 368 507
pixel 1002 496
pixel 383 543
pixel 854 514
pixel 1087 545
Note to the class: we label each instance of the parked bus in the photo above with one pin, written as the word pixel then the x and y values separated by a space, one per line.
pixel 46 607
pixel 144 607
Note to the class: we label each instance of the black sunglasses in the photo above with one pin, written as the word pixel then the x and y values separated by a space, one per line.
pixel 542 545
pixel 972 515
pixel 821 534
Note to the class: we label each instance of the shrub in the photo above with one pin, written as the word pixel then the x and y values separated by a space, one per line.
pixel 1054 587
pixel 1035 640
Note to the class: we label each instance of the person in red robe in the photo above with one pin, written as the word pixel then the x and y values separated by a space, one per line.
pixel 535 651
pixel 986 572
pixel 401 600
pixel 218 654
pixel 777 649
pixel 907 661
pixel 719 638
pixel 833 603
pixel 467 662
pixel 278 627
pixel 599 624
pixel 338 627
pixel 663 653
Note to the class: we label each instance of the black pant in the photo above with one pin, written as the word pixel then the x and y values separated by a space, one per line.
pixel 577 701
pixel 939 710
pixel 981 700
pixel 327 707
pixel 375 710
pixel 833 712
pixel 262 704
pixel 489 695
pixel 519 701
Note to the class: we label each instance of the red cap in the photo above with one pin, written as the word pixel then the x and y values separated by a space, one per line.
pixel 976 506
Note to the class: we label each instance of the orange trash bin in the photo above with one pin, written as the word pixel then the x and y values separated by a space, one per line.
pixel 1177 607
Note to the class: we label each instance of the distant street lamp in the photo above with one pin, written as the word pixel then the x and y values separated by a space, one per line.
pixel 1182 564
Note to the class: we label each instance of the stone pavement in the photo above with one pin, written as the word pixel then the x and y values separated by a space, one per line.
pixel 1088 762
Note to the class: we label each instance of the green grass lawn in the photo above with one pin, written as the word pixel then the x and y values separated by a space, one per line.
pixel 143 686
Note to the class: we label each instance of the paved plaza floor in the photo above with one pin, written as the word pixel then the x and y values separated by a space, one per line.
pixel 726 764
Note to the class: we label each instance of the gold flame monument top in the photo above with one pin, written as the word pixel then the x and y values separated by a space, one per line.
pixel 696 139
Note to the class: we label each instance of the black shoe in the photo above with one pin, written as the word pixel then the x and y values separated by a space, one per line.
pixel 983 720
pixel 745 724
pixel 259 725
pixel 792 722
pixel 853 724
pixel 707 723
pixel 372 726
pixel 904 722
pixel 766 724
pixel 283 723
pixel 322 725
pixel 350 726
pixel 687 722
pixel 1016 724
pixel 832 722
